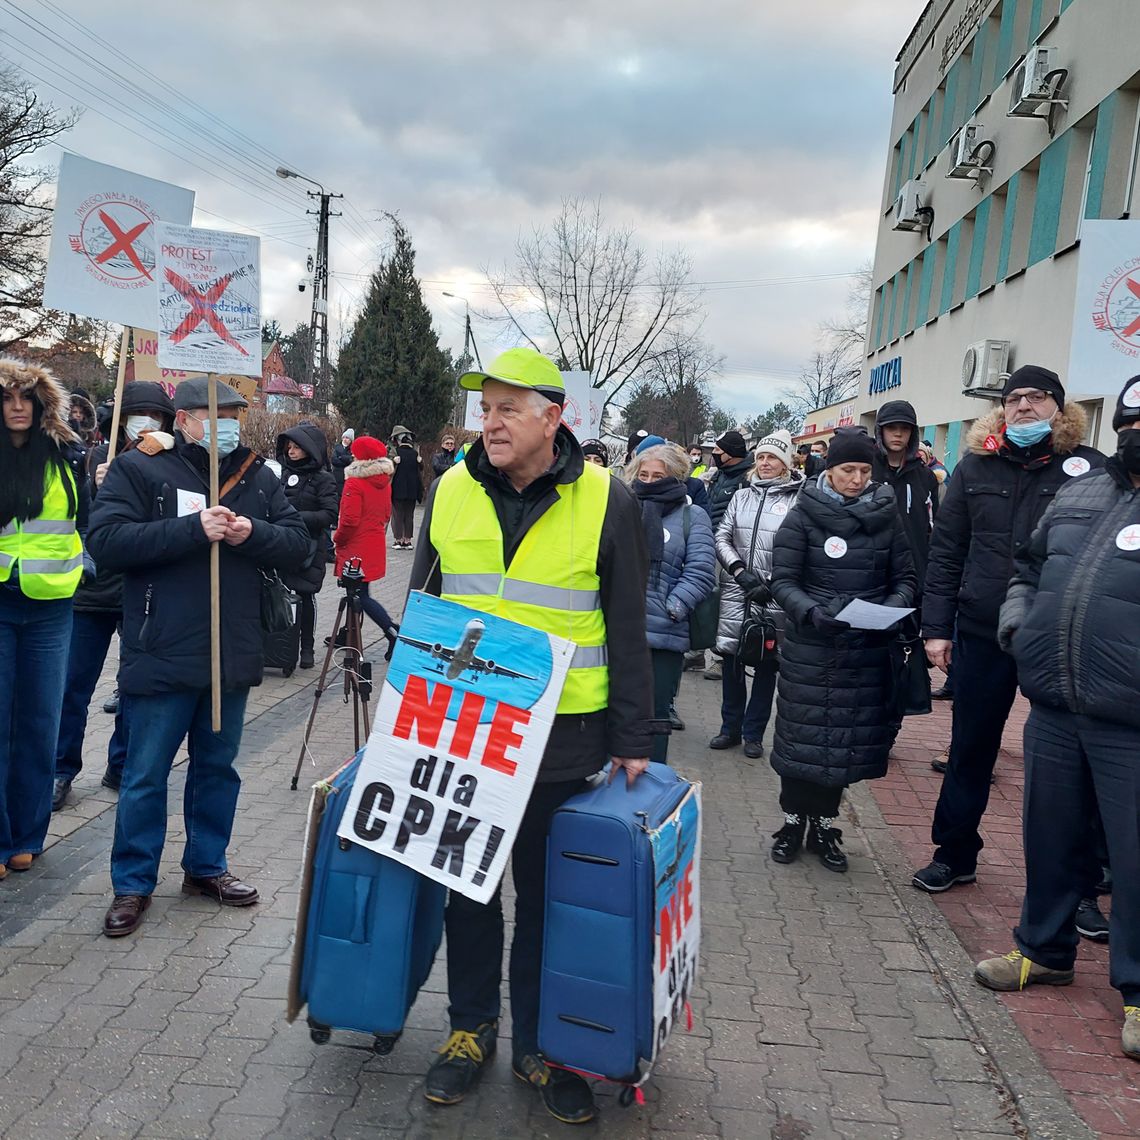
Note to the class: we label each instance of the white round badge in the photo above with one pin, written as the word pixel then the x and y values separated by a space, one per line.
pixel 1132 397
pixel 780 508
pixel 1075 465
pixel 835 547
pixel 1129 538
pixel 665 533
pixel 293 480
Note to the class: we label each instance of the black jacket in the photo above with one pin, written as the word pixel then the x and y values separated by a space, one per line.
pixel 102 593
pixel 992 505
pixel 580 743
pixel 136 527
pixel 727 482
pixel 916 489
pixel 441 462
pixel 1073 601
pixel 833 726
pixel 407 483
pixel 341 458
pixel 311 489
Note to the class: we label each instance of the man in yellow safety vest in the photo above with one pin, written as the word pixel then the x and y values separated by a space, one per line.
pixel 525 528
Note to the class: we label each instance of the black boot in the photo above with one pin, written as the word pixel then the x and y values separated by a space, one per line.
pixel 824 840
pixel 789 839
pixel 390 634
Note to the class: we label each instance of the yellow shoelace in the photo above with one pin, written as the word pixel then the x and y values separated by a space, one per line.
pixel 1016 957
pixel 1132 1013
pixel 462 1046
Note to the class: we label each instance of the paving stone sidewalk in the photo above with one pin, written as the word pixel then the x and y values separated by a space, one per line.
pixel 820 1009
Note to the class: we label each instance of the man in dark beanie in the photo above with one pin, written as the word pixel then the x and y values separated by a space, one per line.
pixel 1069 620
pixel 1017 458
pixel 631 444
pixel 733 463
pixel 900 467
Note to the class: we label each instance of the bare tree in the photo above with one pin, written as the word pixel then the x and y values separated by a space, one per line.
pixel 591 296
pixel 832 375
pixel 26 124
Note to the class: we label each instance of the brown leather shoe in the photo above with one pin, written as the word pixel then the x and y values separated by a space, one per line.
pixel 20 862
pixel 125 915
pixel 223 888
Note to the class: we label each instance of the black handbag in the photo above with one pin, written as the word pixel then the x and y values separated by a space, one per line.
pixel 910 675
pixel 704 616
pixel 757 638
pixel 276 603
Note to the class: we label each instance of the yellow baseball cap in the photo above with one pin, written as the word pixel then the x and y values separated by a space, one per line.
pixel 521 368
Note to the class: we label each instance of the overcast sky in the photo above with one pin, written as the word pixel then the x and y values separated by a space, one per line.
pixel 752 133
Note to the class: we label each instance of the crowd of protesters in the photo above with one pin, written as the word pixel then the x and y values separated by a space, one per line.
pixel 1021 568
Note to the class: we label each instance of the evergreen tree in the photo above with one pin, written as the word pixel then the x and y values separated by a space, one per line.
pixel 392 370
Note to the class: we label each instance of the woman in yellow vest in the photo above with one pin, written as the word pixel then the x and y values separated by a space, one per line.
pixel 43 514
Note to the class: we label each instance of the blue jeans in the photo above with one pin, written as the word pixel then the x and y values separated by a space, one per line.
pixel 91 634
pixel 158 725
pixel 742 714
pixel 33 663
pixel 375 610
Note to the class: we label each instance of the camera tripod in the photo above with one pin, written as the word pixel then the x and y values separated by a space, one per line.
pixel 347 639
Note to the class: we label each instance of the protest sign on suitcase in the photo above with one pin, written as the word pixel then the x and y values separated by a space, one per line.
pixel 456 743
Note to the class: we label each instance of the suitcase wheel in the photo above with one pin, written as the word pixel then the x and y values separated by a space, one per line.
pixel 626 1096
pixel 384 1043
pixel 287 672
pixel 319 1034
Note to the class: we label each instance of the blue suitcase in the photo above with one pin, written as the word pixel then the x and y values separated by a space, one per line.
pixel 370 931
pixel 596 1009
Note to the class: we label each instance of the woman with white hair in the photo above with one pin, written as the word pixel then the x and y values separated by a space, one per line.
pixel 682 567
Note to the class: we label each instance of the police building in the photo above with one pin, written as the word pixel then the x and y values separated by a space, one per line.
pixel 1003 237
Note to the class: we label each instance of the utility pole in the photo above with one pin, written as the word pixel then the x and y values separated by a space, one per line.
pixel 317 360
pixel 468 335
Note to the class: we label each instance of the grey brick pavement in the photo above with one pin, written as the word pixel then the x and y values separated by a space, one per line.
pixel 822 1010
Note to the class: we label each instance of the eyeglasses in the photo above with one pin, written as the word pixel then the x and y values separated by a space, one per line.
pixel 1035 398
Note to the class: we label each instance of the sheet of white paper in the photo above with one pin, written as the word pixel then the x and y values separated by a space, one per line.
pixel 867 615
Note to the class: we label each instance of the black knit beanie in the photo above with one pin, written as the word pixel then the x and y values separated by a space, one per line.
pixel 732 443
pixel 850 445
pixel 1127 404
pixel 1034 376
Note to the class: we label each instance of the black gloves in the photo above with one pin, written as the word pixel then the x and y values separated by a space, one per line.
pixel 825 623
pixel 748 579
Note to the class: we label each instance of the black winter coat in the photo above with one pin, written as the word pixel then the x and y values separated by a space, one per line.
pixel 727 482
pixel 311 490
pixel 407 483
pixel 833 726
pixel 1074 601
pixel 341 458
pixel 992 505
pixel 916 491
pixel 104 592
pixel 144 524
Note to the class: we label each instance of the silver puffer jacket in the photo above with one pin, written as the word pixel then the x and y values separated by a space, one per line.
pixel 759 507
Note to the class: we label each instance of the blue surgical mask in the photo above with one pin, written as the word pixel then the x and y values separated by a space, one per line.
pixel 229 435
pixel 1026 435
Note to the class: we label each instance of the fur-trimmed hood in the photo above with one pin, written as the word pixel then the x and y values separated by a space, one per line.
pixel 1069 430
pixel 367 468
pixel 52 396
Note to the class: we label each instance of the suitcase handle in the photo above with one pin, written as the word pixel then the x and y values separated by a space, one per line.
pixel 582 1023
pixel 601 860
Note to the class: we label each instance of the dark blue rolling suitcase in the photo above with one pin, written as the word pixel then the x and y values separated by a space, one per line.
pixel 602 908
pixel 368 929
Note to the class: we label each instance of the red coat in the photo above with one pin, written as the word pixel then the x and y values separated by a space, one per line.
pixel 365 508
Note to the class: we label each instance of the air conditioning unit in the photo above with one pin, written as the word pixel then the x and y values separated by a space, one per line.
pixel 912 206
pixel 1031 88
pixel 970 152
pixel 983 366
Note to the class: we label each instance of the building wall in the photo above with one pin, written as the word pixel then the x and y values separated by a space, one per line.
pixel 1002 260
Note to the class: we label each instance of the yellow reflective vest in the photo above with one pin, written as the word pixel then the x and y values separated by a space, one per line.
pixel 48 549
pixel 552 583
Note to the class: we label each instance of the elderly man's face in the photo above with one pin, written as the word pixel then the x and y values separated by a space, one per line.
pixel 516 428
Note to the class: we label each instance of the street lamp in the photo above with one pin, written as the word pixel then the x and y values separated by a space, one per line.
pixel 468 335
pixel 317 365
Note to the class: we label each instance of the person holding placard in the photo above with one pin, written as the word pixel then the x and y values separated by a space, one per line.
pixel 524 528
pixel 153 522
pixel 834 725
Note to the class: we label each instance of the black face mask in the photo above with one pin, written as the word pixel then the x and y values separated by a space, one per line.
pixel 1128 450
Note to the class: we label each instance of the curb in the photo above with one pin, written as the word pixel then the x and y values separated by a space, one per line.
pixel 1039 1102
